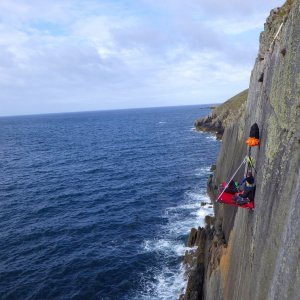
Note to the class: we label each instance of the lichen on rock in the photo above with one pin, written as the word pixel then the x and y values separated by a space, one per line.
pixel 255 255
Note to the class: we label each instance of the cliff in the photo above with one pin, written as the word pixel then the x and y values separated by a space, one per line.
pixel 223 115
pixel 256 254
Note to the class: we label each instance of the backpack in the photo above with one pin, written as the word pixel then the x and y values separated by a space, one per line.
pixel 231 189
pixel 254 131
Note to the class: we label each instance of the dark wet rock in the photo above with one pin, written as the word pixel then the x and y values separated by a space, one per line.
pixel 195 284
pixel 210 187
pixel 196 262
pixel 189 258
pixel 192 237
pixel 209 220
pixel 213 168
pixel 201 236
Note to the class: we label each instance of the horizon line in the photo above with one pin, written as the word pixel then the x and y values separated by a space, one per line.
pixel 103 110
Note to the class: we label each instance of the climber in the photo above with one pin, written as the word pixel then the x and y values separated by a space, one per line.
pixel 247 182
pixel 248 187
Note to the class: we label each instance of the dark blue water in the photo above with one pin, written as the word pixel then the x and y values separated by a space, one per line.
pixel 99 205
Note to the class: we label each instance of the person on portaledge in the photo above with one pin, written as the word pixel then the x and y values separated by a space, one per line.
pixel 248 186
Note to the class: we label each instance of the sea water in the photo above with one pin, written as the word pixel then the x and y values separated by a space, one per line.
pixel 98 205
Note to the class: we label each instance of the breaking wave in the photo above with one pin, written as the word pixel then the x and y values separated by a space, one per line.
pixel 169 282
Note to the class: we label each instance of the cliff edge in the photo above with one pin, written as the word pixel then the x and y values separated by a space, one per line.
pixel 256 254
pixel 223 115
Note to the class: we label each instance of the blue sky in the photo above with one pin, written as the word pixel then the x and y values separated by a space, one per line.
pixel 81 55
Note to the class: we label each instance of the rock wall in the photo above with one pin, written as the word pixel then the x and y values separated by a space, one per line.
pixel 259 257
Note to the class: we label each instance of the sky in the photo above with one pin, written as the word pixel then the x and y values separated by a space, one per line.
pixel 84 55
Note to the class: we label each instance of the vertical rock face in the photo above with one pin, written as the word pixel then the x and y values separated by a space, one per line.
pixel 262 257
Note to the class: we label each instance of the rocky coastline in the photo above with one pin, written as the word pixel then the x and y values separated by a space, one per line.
pixel 222 115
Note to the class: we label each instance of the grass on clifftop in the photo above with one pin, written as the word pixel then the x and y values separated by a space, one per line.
pixel 223 115
pixel 285 8
pixel 233 104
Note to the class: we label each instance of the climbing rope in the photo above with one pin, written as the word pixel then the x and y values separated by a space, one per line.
pixel 279 29
pixel 243 162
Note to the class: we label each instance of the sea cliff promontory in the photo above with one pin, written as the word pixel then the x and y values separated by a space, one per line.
pixel 245 254
pixel 223 115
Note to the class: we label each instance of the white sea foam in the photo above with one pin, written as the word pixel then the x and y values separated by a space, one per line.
pixel 198 131
pixel 190 214
pixel 201 213
pixel 169 247
pixel 182 227
pixel 169 282
pixel 211 138
pixel 194 196
pixel 202 171
pixel 184 206
pixel 161 122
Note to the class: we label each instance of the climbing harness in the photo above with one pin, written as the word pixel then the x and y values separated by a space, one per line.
pixel 250 163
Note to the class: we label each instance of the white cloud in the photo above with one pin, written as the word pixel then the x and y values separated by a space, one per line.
pixel 84 55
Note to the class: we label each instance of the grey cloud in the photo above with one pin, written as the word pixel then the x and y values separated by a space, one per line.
pixel 193 36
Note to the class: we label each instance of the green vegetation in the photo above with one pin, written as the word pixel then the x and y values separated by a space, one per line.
pixel 223 115
pixel 233 104
pixel 285 9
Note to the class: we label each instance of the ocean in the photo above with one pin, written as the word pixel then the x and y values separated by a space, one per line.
pixel 98 205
